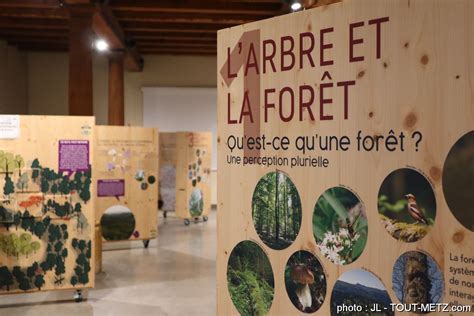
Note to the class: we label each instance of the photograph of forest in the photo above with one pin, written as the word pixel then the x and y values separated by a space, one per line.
pixel 196 203
pixel 458 180
pixel 276 210
pixel 340 225
pixel 417 279
pixel 118 223
pixel 361 288
pixel 407 205
pixel 250 279
pixel 305 281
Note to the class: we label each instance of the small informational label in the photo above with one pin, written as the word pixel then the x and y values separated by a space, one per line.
pixel 9 126
pixel 107 188
pixel 73 156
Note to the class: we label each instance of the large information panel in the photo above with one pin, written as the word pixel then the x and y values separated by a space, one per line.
pixel 47 203
pixel 346 154
pixel 193 174
pixel 127 184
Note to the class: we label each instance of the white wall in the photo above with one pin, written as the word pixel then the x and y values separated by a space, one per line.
pixel 173 109
pixel 48 82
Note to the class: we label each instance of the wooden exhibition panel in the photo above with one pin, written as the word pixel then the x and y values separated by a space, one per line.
pixel 362 99
pixel 47 205
pixel 126 170
pixel 193 174
pixel 167 183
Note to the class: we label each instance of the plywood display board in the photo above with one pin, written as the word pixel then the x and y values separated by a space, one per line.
pixel 126 172
pixel 47 203
pixel 346 151
pixel 193 174
pixel 167 183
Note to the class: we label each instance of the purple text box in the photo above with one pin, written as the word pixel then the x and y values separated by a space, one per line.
pixel 73 156
pixel 115 188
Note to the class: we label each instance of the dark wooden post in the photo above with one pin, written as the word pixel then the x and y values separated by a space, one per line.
pixel 80 61
pixel 116 89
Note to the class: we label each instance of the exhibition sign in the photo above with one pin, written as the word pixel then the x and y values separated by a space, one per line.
pixel 346 151
pixel 126 170
pixel 47 204
pixel 193 174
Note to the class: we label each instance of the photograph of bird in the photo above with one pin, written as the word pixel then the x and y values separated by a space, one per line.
pixel 414 210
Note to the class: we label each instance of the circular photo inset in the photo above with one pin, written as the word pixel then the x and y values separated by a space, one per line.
pixel 458 180
pixel 118 223
pixel 407 205
pixel 196 203
pixel 276 210
pixel 305 281
pixel 250 279
pixel 417 279
pixel 340 225
pixel 359 292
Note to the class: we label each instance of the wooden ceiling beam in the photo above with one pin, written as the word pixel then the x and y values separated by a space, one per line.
pixel 173 36
pixel 192 6
pixel 36 4
pixel 38 24
pixel 105 25
pixel 177 27
pixel 38 13
pixel 166 17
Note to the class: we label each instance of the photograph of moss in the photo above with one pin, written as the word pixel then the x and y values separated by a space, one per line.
pixel 305 281
pixel 407 205
pixel 276 210
pixel 340 225
pixel 458 180
pixel 196 203
pixel 250 279
pixel 417 279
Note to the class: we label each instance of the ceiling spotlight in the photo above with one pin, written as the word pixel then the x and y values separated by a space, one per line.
pixel 101 45
pixel 295 6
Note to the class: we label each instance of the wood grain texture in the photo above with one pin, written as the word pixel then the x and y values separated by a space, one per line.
pixel 422 81
pixel 121 153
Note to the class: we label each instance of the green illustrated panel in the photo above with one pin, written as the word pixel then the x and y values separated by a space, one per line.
pixel 46 211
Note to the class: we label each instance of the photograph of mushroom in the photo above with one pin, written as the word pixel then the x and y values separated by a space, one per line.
pixel 250 279
pixel 458 180
pixel 118 223
pixel 305 281
pixel 361 288
pixel 417 279
pixel 276 210
pixel 407 205
pixel 340 225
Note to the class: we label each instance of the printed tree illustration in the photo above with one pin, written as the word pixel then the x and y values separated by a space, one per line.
pixel 22 182
pixel 6 278
pixel 9 187
pixel 19 163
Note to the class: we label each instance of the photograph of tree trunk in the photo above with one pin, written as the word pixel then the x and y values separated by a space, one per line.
pixel 276 210
pixel 407 205
pixel 362 288
pixel 305 281
pixel 417 279
pixel 340 225
pixel 458 180
pixel 250 279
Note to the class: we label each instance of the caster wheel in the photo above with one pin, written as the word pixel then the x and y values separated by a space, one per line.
pixel 146 243
pixel 78 296
pixel 205 218
pixel 165 214
pixel 187 222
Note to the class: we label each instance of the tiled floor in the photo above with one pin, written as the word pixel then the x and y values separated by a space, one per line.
pixel 174 276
